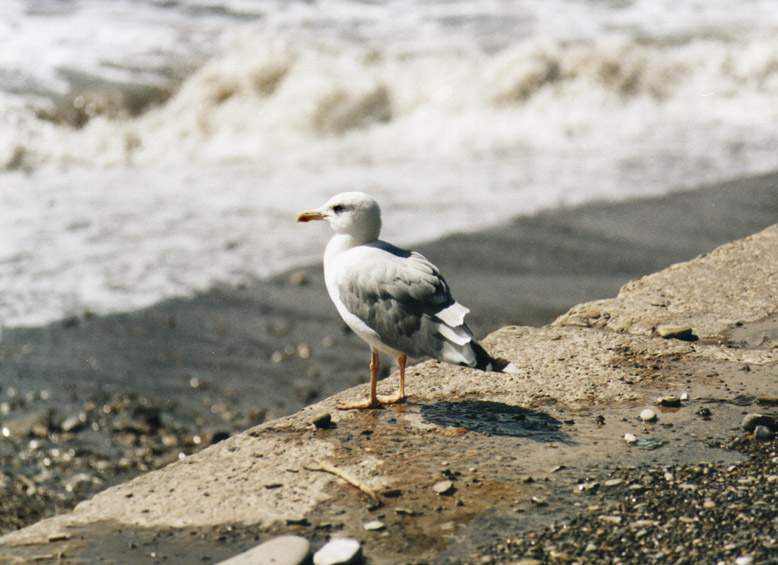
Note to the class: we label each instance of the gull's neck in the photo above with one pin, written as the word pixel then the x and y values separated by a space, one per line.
pixel 341 242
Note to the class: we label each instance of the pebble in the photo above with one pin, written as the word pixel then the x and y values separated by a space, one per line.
pixel 684 396
pixel 374 526
pixel 340 551
pixel 444 488
pixel 73 423
pixel 669 401
pixel 33 424
pixel 751 421
pixel 283 550
pixel 763 433
pixel 322 420
pixel 649 443
pixel 613 482
pixel 630 438
pixel 668 331
pixel 299 278
pixel 648 415
pixel 744 560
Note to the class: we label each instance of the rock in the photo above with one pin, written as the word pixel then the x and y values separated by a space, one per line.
pixel 284 550
pixel 73 423
pixel 630 438
pixel 744 560
pixel 704 412
pixel 444 488
pixel 299 278
pixel 374 526
pixel 613 482
pixel 669 401
pixel 340 551
pixel 751 421
pixel 322 420
pixel 763 433
pixel 767 400
pixel 648 415
pixel 684 396
pixel 668 331
pixel 28 425
pixel 649 443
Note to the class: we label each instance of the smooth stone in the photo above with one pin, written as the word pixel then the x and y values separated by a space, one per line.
pixel 283 550
pixel 374 526
pixel 28 425
pixel 322 420
pixel 751 421
pixel 444 488
pixel 339 551
pixel 630 438
pixel 669 401
pixel 648 415
pixel 668 331
pixel 764 433
pixel 649 443
pixel 72 424
pixel 684 396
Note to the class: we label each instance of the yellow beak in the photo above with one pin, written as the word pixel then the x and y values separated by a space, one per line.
pixel 310 215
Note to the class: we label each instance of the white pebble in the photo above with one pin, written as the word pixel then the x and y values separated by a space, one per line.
pixel 630 438
pixel 338 552
pixel 648 415
pixel 283 550
pixel 374 526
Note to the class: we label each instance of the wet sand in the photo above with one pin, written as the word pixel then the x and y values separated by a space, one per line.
pixel 229 358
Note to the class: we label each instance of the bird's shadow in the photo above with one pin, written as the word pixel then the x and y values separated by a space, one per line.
pixel 496 419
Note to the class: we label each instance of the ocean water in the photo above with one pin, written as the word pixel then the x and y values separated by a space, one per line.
pixel 152 149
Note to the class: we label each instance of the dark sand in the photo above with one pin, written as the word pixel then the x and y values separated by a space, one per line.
pixel 232 354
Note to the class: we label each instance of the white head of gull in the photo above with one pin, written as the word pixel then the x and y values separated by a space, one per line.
pixel 395 300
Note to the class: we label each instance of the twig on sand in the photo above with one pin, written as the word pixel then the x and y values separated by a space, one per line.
pixel 350 479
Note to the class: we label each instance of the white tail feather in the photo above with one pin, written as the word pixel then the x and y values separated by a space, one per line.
pixel 454 315
pixel 456 335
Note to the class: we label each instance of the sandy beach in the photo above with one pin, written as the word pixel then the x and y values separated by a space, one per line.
pixel 233 357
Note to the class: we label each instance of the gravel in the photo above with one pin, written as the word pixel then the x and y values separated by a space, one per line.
pixel 54 454
pixel 675 514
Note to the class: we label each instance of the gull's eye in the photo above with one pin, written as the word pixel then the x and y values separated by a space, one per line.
pixel 338 208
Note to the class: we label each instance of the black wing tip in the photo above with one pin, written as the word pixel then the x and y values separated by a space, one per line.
pixel 485 362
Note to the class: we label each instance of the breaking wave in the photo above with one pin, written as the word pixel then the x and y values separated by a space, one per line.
pixel 271 95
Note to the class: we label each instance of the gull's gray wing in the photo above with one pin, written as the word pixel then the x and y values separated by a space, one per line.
pixel 403 298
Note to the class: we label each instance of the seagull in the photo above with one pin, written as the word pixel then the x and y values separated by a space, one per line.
pixel 394 299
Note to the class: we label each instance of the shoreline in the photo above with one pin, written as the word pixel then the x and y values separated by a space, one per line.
pixel 193 364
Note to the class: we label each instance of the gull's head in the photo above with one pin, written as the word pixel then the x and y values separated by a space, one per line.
pixel 353 213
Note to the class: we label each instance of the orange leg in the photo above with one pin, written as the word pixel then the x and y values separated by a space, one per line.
pixel 372 401
pixel 400 395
